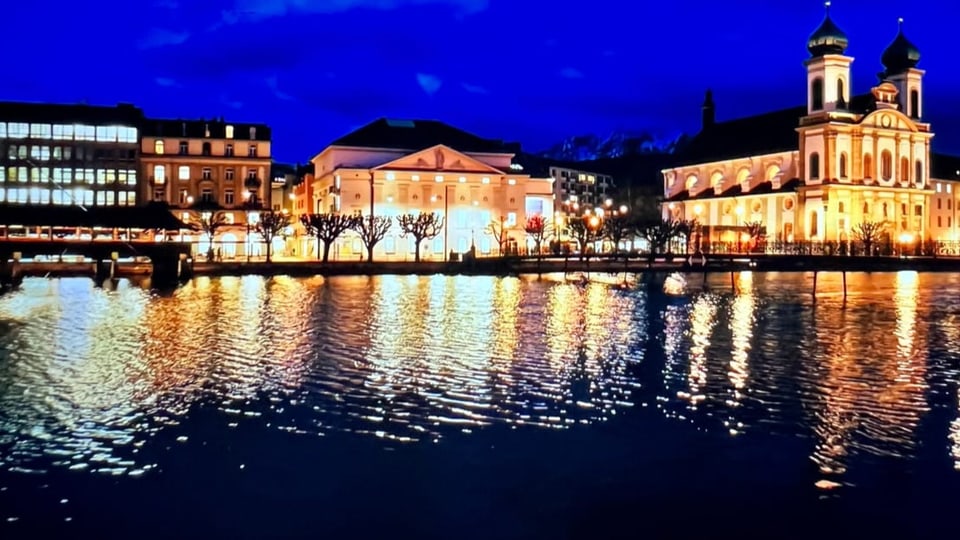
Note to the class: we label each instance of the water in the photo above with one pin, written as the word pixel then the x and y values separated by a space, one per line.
pixel 477 407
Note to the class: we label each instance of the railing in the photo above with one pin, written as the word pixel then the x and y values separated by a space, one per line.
pixel 847 248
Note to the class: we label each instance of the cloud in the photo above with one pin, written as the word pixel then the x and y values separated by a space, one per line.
pixel 571 73
pixel 473 89
pixel 274 87
pixel 429 83
pixel 166 81
pixel 160 37
pixel 265 9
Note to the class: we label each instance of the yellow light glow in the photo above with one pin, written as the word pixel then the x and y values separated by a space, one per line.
pixel 698 209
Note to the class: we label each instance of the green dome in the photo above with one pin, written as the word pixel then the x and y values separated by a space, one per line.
pixel 828 38
pixel 901 55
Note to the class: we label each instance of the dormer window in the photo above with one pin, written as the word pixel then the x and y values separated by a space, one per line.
pixel 253 133
pixel 229 132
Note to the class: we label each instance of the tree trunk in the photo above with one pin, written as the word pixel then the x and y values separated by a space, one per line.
pixel 319 254
pixel 370 253
pixel 326 250
pixel 416 253
pixel 269 243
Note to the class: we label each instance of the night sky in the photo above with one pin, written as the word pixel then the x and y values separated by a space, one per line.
pixel 529 71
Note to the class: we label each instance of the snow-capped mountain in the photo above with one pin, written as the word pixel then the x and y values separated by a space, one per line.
pixel 617 144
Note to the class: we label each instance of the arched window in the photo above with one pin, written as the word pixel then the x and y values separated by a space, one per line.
pixel 918 172
pixel 158 147
pixel 840 208
pixel 814 173
pixel 868 171
pixel 904 169
pixel 914 103
pixel 206 149
pixel 843 165
pixel 742 175
pixel 886 165
pixel 816 94
pixel 716 178
pixel 886 211
pixel 814 224
pixel 866 209
pixel 691 182
pixel 841 95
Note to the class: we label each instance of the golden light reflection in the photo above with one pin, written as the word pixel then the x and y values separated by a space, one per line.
pixel 954 436
pixel 741 328
pixel 703 319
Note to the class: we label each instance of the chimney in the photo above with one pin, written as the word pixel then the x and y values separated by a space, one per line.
pixel 709 112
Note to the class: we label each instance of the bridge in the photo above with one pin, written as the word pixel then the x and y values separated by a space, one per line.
pixel 103 234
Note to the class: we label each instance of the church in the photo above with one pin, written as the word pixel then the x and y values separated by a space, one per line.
pixel 815 172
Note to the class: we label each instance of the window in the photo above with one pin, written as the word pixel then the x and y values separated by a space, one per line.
pixel 939 187
pixel 485 180
pixel 127 135
pixel 840 207
pixel 158 147
pixel 914 103
pixel 918 172
pixel 866 209
pixel 159 174
pixel 843 165
pixel 228 150
pixel 816 94
pixel 814 166
pixel 886 165
pixel 904 169
pixel 813 224
pixel 841 95
pixel 868 171
pixel 17 130
pixel 106 134
pixel 101 176
pixel 158 195
pixel 184 148
pixel 511 219
pixel 40 131
pixel 228 196
pixel 939 221
pixel 40 153
pixel 251 174
pixel 252 150
pixel 886 211
pixel 3 133
pixel 205 149
pixel 228 174
pixel 206 195
pixel 184 195
pixel 253 133
pixel 206 173
pixel 85 133
pixel 229 132
pixel 131 177
pixel 183 172
pixel 939 204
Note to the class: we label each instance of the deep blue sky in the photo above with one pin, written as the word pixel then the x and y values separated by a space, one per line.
pixel 527 70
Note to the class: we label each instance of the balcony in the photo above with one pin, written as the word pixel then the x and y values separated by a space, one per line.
pixel 252 182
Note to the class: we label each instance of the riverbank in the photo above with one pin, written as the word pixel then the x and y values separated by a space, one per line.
pixel 516 266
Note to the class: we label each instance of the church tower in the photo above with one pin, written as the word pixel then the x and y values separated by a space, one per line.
pixel 828 70
pixel 900 68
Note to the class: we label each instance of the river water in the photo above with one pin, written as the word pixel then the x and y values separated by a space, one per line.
pixel 481 407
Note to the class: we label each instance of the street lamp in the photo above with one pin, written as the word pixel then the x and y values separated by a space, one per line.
pixel 697 210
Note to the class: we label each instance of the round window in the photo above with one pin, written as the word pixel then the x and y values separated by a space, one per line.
pixel 788 204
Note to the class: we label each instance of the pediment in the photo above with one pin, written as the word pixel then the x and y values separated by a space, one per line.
pixel 439 158
pixel 889 119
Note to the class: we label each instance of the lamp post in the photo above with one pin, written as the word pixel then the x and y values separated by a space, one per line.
pixel 697 210
pixel 739 212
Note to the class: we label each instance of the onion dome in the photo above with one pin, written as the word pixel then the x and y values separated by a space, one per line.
pixel 901 55
pixel 828 38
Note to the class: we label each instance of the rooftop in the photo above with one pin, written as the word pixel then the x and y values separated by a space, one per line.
pixel 78 113
pixel 214 128
pixel 414 135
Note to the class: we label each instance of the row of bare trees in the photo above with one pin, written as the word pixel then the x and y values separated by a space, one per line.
pixel 269 226
pixel 371 229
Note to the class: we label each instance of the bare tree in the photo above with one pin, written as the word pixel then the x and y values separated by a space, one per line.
pixel 498 230
pixel 372 229
pixel 869 234
pixel 271 225
pixel 582 231
pixel 421 227
pixel 210 222
pixel 658 234
pixel 327 228
pixel 755 230
pixel 537 229
pixel 616 228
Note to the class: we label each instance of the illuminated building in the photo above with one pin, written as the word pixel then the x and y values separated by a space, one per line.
pixel 56 154
pixel 198 166
pixel 814 172
pixel 394 167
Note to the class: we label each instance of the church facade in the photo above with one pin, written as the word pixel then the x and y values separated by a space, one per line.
pixel 814 173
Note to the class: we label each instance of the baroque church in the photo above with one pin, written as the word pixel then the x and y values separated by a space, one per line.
pixel 815 172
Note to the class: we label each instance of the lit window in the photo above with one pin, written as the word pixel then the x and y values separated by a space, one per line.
pixel 229 132
pixel 390 176
pixel 939 186
pixel 101 176
pixel 415 178
pixel 512 182
pixel 18 130
pixel 439 178
pixel 183 172
pixel 159 174
pixel 511 219
pixel 463 179
pixel 3 132
pixel 131 178
pixel 949 188
pixel 40 131
pixel 485 180
pixel 85 133
pixel 106 134
pixel 158 147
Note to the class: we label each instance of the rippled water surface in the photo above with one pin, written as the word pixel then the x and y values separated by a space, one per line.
pixel 270 407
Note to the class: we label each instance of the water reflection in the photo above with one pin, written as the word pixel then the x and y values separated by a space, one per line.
pixel 89 375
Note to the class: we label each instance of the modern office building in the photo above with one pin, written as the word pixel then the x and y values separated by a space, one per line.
pixel 392 167
pixel 815 172
pixel 52 154
pixel 198 166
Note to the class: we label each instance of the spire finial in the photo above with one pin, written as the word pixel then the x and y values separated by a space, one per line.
pixel 900 23
pixel 827 6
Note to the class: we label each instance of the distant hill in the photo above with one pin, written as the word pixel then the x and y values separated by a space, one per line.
pixel 618 144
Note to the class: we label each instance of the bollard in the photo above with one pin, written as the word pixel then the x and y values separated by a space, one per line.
pixel 844 285
pixel 814 285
